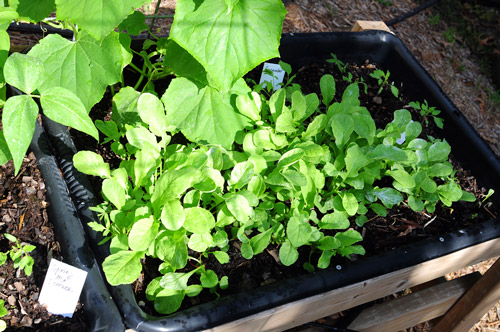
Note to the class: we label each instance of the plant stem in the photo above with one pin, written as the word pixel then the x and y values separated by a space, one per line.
pixel 154 16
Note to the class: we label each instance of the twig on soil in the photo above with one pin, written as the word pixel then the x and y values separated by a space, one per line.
pixel 429 222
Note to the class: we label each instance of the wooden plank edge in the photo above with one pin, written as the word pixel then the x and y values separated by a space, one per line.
pixel 300 312
pixel 474 304
pixel 410 310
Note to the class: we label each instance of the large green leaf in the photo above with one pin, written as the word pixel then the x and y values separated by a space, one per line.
pixel 123 267
pixel 18 119
pixel 229 40
pixel 4 150
pixel 63 106
pixel 7 15
pixel 24 72
pixel 98 17
pixel 34 11
pixel 85 67
pixel 4 53
pixel 202 114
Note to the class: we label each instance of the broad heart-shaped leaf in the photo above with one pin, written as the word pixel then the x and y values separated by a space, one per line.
pixel 24 72
pixel 34 11
pixel 134 23
pixel 91 163
pixel 18 119
pixel 183 63
pixel 98 17
pixel 123 267
pixel 85 67
pixel 229 41
pixel 202 114
pixel 63 106
pixel 7 15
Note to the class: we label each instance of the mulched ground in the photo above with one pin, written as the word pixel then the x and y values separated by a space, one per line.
pixel 23 214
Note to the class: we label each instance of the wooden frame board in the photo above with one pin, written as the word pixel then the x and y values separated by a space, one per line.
pixel 315 307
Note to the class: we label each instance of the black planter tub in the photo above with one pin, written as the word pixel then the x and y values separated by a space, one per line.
pixel 294 301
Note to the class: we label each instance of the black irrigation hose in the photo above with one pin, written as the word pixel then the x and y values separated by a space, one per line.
pixel 412 12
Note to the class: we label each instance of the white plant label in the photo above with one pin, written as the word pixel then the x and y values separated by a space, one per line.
pixel 62 288
pixel 276 79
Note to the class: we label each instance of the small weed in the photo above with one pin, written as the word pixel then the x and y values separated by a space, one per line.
pixel 449 35
pixel 494 97
pixel 383 80
pixel 428 112
pixel 434 20
pixel 19 253
pixel 385 2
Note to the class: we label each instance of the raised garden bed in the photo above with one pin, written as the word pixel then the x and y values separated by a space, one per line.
pixel 364 276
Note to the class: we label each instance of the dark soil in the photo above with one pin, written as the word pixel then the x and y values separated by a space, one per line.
pixel 23 214
pixel 401 226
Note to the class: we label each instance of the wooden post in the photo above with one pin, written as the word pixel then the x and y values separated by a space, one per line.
pixel 474 304
pixel 410 310
pixel 370 25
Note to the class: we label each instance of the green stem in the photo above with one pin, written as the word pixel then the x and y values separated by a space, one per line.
pixel 155 14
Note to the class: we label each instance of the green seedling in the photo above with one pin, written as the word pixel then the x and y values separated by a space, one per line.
pixel 19 254
pixel 428 112
pixel 383 81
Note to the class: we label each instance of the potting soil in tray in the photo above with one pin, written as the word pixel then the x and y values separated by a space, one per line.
pixel 23 214
pixel 401 226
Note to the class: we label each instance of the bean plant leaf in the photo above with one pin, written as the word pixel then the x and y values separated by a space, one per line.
pixel 4 150
pixel 24 72
pixel 98 17
pixel 18 119
pixel 34 11
pixel 63 106
pixel 7 15
pixel 228 50
pixel 91 163
pixel 123 267
pixel 135 23
pixel 85 67
pixel 203 115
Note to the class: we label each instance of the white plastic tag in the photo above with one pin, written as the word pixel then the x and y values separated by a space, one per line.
pixel 276 79
pixel 61 288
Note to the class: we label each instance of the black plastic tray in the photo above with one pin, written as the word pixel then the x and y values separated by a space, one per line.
pixel 100 310
pixel 389 53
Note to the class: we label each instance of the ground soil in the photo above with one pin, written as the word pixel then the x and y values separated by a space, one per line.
pixel 23 214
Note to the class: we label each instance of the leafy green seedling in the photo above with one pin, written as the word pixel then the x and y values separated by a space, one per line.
pixel 428 112
pixel 19 254
pixel 383 81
